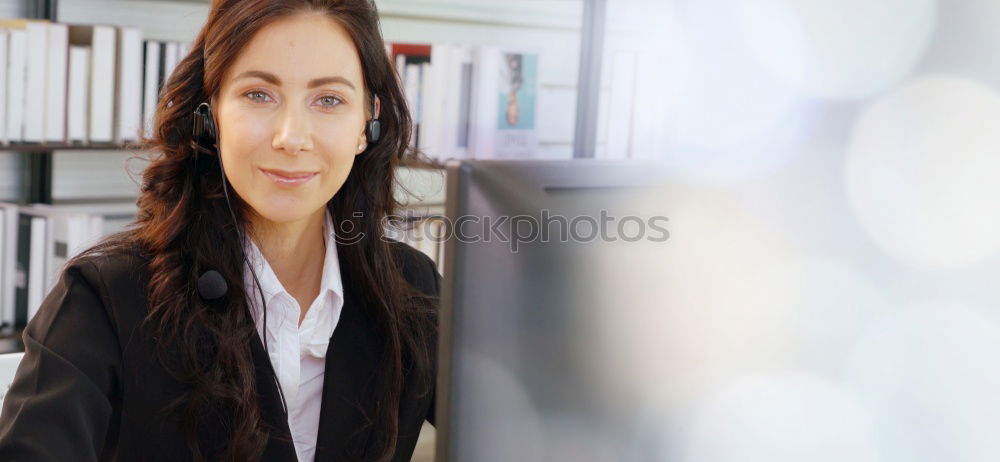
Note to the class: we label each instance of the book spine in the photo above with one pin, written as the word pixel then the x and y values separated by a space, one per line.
pixel 4 38
pixel 55 88
pixel 34 91
pixel 15 85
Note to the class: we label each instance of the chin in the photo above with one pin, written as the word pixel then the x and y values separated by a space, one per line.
pixel 283 213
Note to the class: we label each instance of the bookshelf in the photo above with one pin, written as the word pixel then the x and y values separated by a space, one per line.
pixel 553 27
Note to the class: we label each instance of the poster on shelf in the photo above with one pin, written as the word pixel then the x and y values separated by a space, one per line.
pixel 506 93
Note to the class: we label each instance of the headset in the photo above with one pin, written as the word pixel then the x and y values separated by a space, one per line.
pixel 211 284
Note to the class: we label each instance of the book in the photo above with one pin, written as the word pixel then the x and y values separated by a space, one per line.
pixel 34 81
pixel 411 88
pixel 8 263
pixel 169 60
pixel 29 288
pixel 151 84
pixel 103 59
pixel 403 54
pixel 433 91
pixel 456 123
pixel 35 257
pixel 409 59
pixel 49 235
pixel 57 46
pixel 33 86
pixel 16 64
pixel 4 37
pixel 77 101
pixel 130 85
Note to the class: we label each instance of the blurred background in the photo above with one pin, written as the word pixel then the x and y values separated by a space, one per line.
pixel 831 170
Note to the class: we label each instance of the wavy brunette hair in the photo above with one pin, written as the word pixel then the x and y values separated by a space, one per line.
pixel 184 227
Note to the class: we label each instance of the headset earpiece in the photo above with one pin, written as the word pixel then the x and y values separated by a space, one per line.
pixel 373 130
pixel 203 128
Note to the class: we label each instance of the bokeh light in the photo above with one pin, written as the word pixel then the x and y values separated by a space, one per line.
pixel 922 172
pixel 845 49
pixel 723 117
pixel 784 416
pixel 926 374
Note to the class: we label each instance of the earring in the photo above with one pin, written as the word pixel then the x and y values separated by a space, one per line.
pixel 361 147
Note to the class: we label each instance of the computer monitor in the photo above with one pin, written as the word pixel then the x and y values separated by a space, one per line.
pixel 524 247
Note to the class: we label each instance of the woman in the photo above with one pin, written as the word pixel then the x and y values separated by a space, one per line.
pixel 266 204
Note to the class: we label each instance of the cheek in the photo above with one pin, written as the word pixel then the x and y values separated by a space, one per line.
pixel 340 135
pixel 242 128
pixel 241 138
pixel 338 147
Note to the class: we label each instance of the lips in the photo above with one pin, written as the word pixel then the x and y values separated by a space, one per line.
pixel 288 178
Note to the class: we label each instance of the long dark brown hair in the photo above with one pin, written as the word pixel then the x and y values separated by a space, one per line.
pixel 184 227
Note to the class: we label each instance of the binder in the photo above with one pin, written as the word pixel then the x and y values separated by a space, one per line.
pixel 103 59
pixel 4 37
pixel 33 86
pixel 16 65
pixel 151 85
pixel 77 103
pixel 130 85
pixel 57 46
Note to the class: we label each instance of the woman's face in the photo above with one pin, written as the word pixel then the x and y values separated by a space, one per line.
pixel 291 117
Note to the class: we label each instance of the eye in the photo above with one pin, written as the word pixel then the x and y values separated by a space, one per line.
pixel 328 101
pixel 255 94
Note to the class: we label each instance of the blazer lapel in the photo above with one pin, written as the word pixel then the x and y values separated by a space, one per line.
pixel 279 446
pixel 351 362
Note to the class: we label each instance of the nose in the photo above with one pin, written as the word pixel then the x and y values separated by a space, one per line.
pixel 293 133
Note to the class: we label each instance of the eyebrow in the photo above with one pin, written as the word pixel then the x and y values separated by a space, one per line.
pixel 273 79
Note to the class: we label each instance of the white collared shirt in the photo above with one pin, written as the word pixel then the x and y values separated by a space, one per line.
pixel 298 353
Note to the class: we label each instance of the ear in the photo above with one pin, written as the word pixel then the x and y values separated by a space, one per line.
pixel 362 143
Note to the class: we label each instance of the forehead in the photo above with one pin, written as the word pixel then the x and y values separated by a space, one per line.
pixel 299 48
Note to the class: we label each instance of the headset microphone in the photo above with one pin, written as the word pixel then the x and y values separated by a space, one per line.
pixel 212 286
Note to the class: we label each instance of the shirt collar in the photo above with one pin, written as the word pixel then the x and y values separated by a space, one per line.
pixel 318 326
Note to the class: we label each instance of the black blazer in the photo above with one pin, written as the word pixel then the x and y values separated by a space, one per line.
pixel 88 387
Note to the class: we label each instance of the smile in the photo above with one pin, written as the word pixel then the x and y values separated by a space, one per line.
pixel 285 178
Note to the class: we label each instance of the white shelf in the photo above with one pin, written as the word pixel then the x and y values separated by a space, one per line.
pixel 545 14
pixel 181 20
